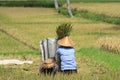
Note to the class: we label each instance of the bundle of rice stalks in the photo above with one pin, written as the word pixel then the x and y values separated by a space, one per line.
pixel 110 43
pixel 63 30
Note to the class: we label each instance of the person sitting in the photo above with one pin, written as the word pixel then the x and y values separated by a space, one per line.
pixel 66 53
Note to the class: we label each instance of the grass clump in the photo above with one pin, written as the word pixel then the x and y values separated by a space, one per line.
pixel 63 11
pixel 63 30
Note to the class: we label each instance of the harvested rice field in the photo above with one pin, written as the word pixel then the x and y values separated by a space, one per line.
pixel 108 9
pixel 30 25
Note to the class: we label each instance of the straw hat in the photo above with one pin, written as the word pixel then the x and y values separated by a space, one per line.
pixel 48 63
pixel 66 41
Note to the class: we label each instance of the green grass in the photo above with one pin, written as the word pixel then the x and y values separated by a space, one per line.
pixel 8 44
pixel 43 3
pixel 91 16
pixel 18 74
pixel 98 17
pixel 11 46
pixel 108 58
pixel 27 3
pixel 22 52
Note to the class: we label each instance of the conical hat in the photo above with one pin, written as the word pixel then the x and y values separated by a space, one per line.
pixel 66 41
pixel 48 63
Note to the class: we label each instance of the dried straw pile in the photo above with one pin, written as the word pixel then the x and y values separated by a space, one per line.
pixel 109 43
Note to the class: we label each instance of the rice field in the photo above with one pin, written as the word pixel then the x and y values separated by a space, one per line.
pixel 108 9
pixel 30 25
pixel 86 67
pixel 22 28
pixel 15 46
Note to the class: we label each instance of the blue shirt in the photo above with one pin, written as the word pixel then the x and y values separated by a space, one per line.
pixel 67 58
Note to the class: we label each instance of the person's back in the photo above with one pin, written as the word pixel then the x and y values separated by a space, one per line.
pixel 67 58
pixel 66 53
